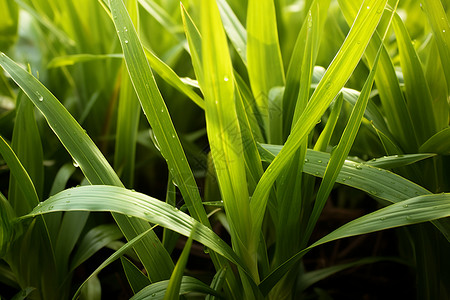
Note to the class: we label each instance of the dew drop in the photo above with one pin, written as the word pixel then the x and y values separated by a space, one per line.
pixel 126 41
pixel 173 136
pixel 154 295
pixel 349 177
pixel 373 192
pixel 162 110
pixel 382 218
pixel 317 173
pixel 405 206
pixel 225 78
pixel 75 164
pixel 319 161
pixel 408 217
pixel 50 207
pixel 306 160
pixel 343 179
pixel 358 42
pixel 443 30
pixel 125 29
pixel 68 201
pixel 358 167
pixel 368 7
pixel 217 102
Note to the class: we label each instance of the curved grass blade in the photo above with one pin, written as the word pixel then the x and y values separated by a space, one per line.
pixel 69 60
pixel 188 284
pixel 395 161
pixel 130 203
pixel 378 183
pixel 94 240
pixel 333 80
pixel 411 211
pixel 90 160
pixel 438 143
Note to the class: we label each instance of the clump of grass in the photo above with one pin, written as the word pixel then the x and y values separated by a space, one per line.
pixel 270 165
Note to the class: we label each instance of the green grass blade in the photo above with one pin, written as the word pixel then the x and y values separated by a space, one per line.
pixel 439 24
pixel 407 212
pixel 128 114
pixel 224 133
pixel 324 138
pixel 391 95
pixel 234 29
pixel 188 284
pixel 20 174
pixel 173 288
pixel 27 146
pixel 417 92
pixel 340 153
pixel 9 17
pixel 395 161
pixel 6 225
pixel 112 258
pixel 333 80
pixel 130 203
pixel 136 278
pixel 90 160
pixel 217 282
pixel 294 72
pixel 156 111
pixel 94 240
pixel 265 67
pixel 438 143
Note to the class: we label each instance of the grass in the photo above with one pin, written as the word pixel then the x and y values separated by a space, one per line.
pixel 248 116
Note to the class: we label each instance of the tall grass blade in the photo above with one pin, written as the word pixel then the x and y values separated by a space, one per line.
pixel 265 67
pixel 333 80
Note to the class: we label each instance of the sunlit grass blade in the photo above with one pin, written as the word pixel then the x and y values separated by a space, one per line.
pixel 9 16
pixel 416 88
pixel 294 72
pixel 395 109
pixel 412 211
pixel 89 158
pixel 339 154
pixel 438 143
pixel 441 29
pixel 173 288
pixel 188 284
pixel 333 80
pixel 224 133
pixel 265 66
pixel 234 29
pixel 130 203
